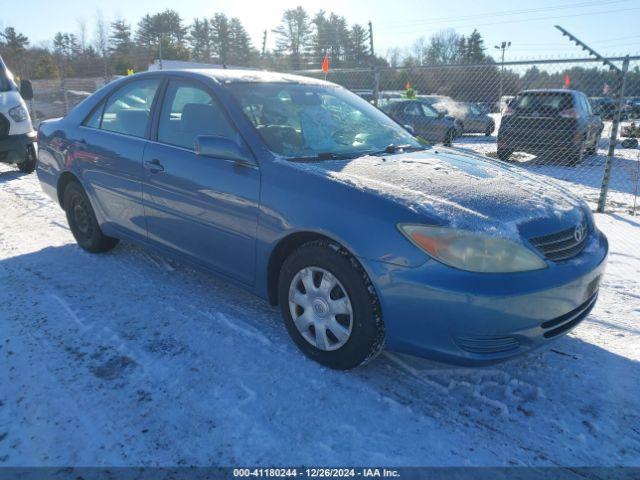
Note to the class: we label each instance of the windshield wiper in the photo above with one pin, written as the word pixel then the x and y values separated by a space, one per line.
pixel 327 156
pixel 393 148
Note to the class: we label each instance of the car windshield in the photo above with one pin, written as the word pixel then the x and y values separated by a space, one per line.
pixel 5 82
pixel 309 121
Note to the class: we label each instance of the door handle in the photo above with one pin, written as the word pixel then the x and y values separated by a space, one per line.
pixel 154 166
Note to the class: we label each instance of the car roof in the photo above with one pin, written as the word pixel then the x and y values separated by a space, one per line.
pixel 551 90
pixel 223 75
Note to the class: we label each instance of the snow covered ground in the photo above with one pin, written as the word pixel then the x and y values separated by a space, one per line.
pixel 130 359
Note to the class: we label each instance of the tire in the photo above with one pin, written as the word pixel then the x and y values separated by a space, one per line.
pixel 575 158
pixel 489 130
pixel 82 220
pixel 359 337
pixel 29 164
pixel 504 154
pixel 594 148
pixel 448 138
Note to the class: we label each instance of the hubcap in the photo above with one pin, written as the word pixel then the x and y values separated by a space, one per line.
pixel 81 217
pixel 320 308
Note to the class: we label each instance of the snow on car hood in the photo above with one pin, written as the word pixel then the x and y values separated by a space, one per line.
pixel 461 190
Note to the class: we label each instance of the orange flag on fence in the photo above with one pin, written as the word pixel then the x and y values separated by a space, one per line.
pixel 325 63
pixel 567 81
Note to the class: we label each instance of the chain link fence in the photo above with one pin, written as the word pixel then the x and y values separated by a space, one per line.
pixel 552 117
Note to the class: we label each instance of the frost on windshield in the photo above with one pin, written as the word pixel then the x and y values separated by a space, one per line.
pixel 305 121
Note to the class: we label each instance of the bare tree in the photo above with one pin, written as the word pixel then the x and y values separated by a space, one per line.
pixel 101 42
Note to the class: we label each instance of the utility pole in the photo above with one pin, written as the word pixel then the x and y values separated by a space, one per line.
pixel 160 52
pixel 619 93
pixel 503 46
pixel 374 67
pixel 264 44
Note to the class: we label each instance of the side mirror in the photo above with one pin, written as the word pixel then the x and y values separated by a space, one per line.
pixel 26 89
pixel 410 129
pixel 223 148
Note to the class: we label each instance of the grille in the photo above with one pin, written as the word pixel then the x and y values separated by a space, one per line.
pixel 487 345
pixel 561 245
pixel 4 126
pixel 569 320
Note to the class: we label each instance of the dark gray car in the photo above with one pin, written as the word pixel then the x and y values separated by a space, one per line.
pixel 426 121
pixel 477 121
pixel 557 123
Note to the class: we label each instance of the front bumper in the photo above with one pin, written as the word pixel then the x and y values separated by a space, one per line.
pixel 13 148
pixel 449 315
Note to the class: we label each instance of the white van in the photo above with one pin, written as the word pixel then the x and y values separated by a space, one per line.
pixel 17 136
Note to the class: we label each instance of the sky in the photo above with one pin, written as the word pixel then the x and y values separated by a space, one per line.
pixel 608 26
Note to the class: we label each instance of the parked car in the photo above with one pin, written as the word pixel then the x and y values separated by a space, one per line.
pixel 477 121
pixel 307 195
pixel 424 120
pixel 17 136
pixel 556 123
pixel 468 117
pixel 606 108
pixel 367 94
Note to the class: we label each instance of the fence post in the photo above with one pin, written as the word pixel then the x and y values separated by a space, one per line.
pixel 602 201
pixel 376 85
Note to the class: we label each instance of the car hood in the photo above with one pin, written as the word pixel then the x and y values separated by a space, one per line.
pixel 461 190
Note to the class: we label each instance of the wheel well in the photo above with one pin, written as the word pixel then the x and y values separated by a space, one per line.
pixel 63 181
pixel 283 249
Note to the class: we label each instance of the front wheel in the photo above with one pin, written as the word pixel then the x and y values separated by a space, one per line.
pixel 448 138
pixel 82 220
pixel 329 306
pixel 29 163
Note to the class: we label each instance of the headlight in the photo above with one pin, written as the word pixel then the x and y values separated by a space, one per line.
pixel 471 251
pixel 19 113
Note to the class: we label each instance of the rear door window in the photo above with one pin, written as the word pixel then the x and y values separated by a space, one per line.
pixel 128 110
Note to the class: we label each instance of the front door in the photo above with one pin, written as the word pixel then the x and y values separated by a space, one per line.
pixel 202 207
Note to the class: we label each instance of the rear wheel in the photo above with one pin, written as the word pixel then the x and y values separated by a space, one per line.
pixel 82 220
pixel 29 163
pixel 594 148
pixel 489 130
pixel 329 306
pixel 504 154
pixel 575 158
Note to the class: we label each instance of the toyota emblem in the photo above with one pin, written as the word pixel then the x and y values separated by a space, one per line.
pixel 579 232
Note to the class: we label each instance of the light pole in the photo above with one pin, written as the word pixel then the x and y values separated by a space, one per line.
pixel 503 46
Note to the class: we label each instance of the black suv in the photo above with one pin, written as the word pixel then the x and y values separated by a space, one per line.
pixel 558 124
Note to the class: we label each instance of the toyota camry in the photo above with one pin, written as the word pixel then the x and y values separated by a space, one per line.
pixel 310 197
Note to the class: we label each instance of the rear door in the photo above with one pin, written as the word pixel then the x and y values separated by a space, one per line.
pixel 109 153
pixel 204 208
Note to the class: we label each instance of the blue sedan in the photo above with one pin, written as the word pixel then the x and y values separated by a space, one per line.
pixel 313 199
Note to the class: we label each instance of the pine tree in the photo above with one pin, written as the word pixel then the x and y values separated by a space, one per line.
pixel 241 51
pixel 358 48
pixel 121 47
pixel 293 36
pixel 221 37
pixel 200 39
